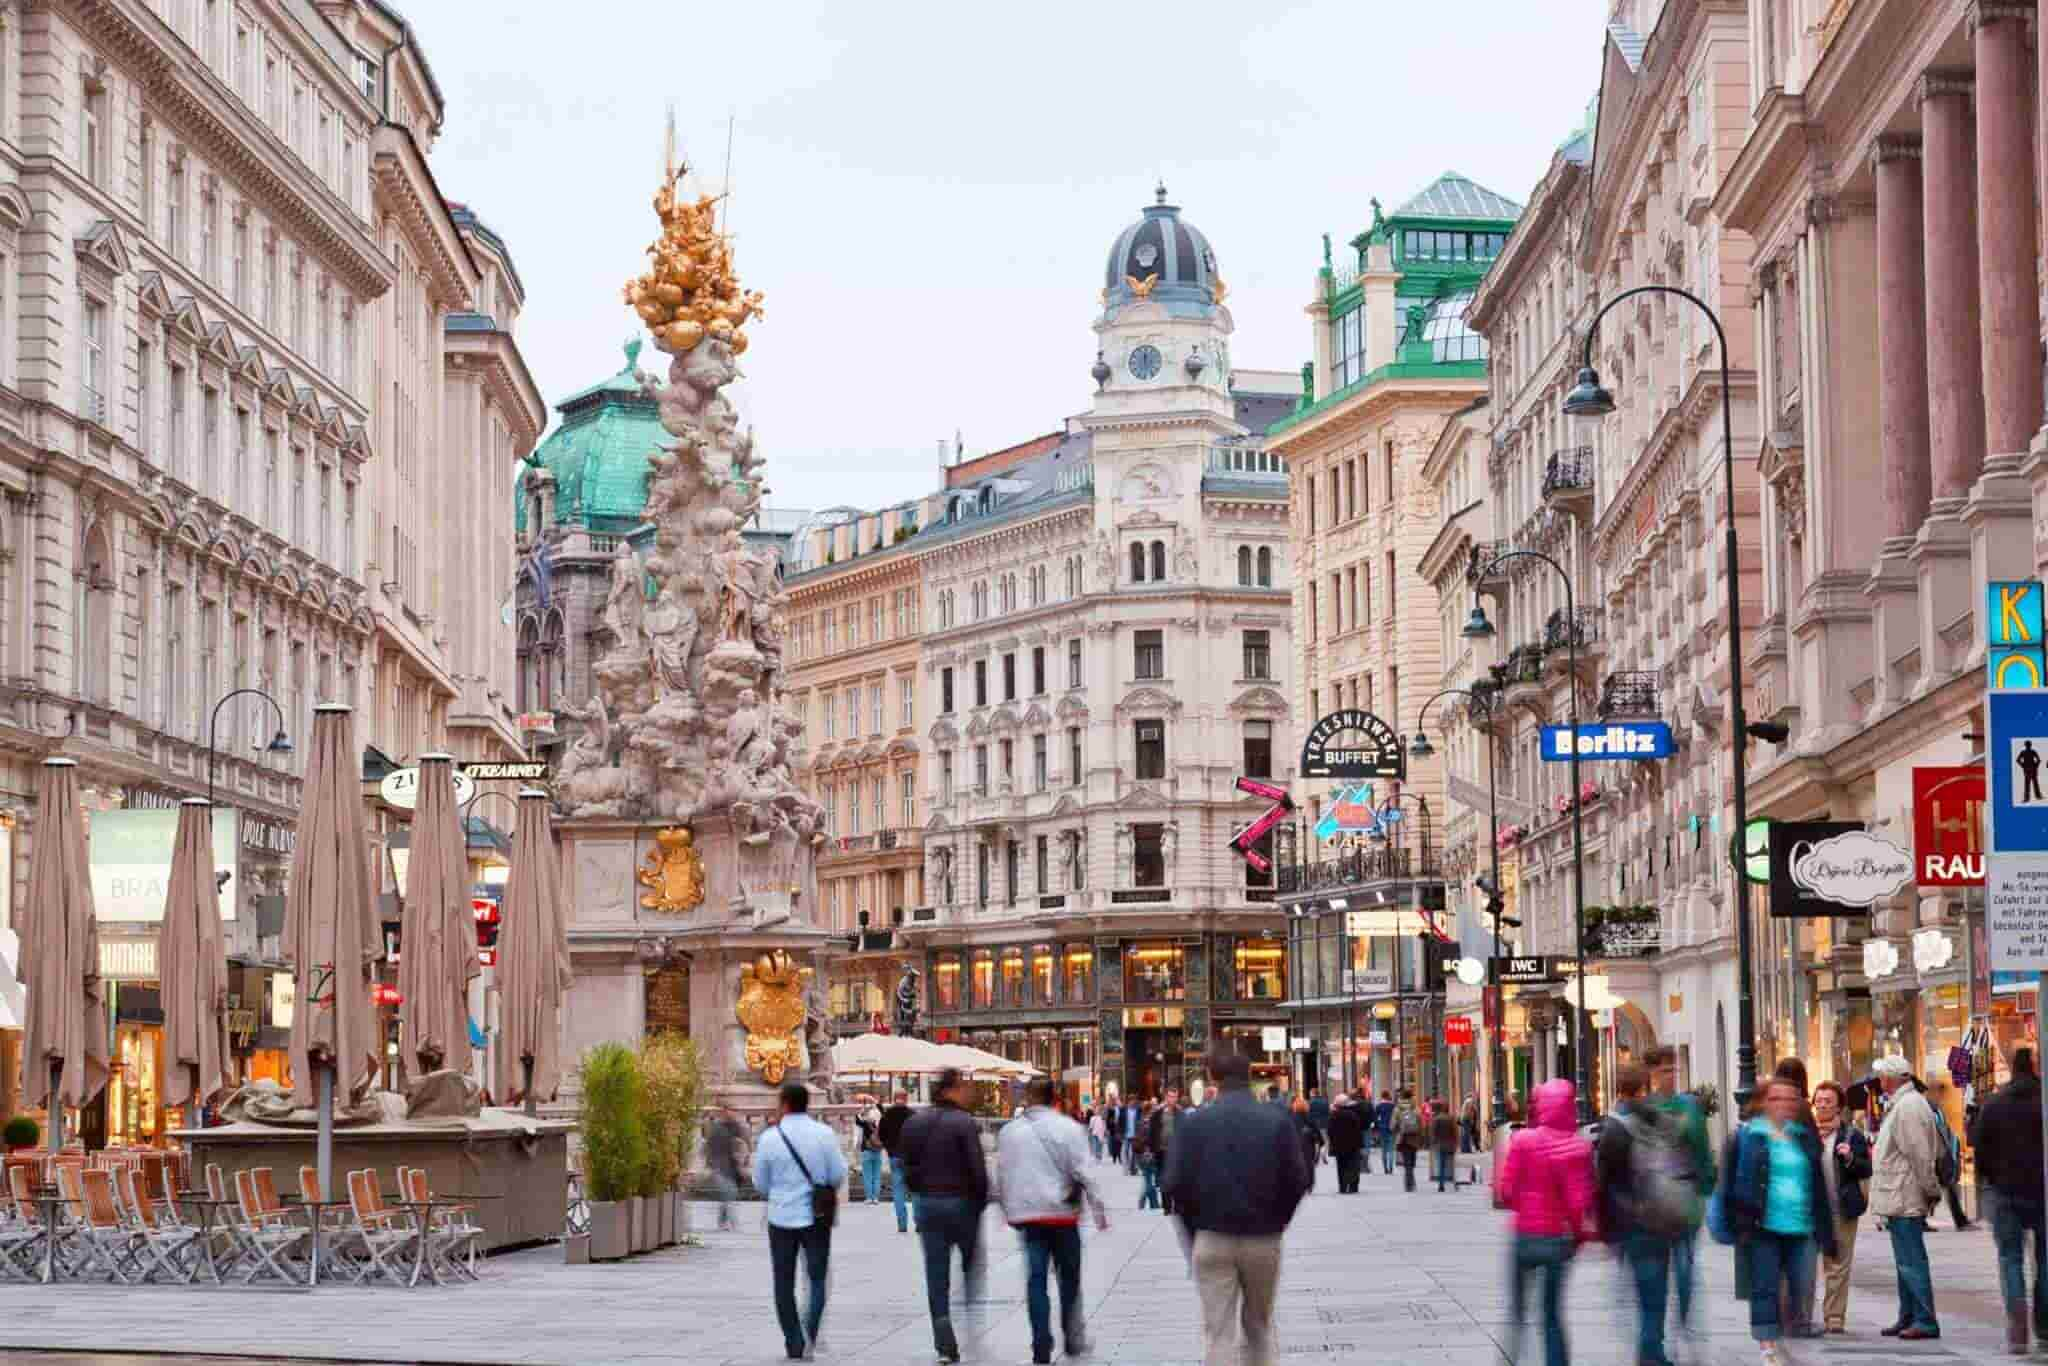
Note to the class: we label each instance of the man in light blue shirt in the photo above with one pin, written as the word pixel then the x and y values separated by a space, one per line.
pixel 790 1157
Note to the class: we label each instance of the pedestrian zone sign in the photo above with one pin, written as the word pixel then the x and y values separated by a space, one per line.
pixel 2016 873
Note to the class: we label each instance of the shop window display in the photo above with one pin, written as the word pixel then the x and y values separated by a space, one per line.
pixel 982 989
pixel 946 982
pixel 1013 977
pixel 1155 972
pixel 1043 976
pixel 1261 970
pixel 1079 968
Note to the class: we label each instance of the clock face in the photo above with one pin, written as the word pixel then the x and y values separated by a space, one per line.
pixel 1145 362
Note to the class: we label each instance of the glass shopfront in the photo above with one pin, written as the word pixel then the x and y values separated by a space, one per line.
pixel 982 991
pixel 1078 966
pixel 1044 978
pixel 1155 972
pixel 946 981
pixel 1260 969
pixel 1013 978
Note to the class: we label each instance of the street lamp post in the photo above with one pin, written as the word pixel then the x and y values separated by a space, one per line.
pixel 1420 748
pixel 280 743
pixel 1477 627
pixel 1589 398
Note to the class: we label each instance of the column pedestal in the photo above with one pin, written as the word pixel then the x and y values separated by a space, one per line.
pixel 1833 631
pixel 1893 593
pixel 1941 564
pixel 2000 517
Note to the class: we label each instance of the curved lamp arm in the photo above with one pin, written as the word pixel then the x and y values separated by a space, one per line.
pixel 279 744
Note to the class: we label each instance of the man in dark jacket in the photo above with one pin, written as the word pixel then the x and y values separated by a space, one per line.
pixel 1159 1132
pixel 1347 1143
pixel 893 1120
pixel 1383 1131
pixel 1236 1174
pixel 1319 1113
pixel 1646 1251
pixel 2007 1137
pixel 944 1167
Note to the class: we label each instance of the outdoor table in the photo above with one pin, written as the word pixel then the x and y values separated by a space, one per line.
pixel 423 1217
pixel 206 1206
pixel 318 1219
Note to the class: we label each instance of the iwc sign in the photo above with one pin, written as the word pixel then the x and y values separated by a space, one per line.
pixel 1353 744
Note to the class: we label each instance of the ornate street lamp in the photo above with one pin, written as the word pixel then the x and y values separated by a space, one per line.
pixel 280 743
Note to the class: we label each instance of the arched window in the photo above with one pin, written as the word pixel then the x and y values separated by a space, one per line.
pixel 1265 566
pixel 1137 561
pixel 1158 560
pixel 988 497
pixel 554 649
pixel 1244 566
pixel 95 604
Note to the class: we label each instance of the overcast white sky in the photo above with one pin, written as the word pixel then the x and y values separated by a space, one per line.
pixel 927 194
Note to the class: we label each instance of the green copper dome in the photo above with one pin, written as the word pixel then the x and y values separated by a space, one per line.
pixel 598 454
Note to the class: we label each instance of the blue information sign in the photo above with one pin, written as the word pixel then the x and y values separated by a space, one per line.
pixel 2016 755
pixel 1614 740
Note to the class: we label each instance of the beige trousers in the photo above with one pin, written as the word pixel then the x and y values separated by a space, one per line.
pixel 1236 1279
pixel 1834 1301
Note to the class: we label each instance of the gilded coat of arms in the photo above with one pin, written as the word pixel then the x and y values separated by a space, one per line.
pixel 674 875
pixel 771 1006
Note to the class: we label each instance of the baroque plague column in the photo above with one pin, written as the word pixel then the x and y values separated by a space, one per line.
pixel 688 850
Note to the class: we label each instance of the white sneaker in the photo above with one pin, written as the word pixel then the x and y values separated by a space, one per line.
pixel 1773 1354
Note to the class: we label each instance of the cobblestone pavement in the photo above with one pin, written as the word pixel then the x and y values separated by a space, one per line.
pixel 1383 1274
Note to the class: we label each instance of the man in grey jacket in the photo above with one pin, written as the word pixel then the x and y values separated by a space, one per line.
pixel 1043 1185
pixel 1904 1191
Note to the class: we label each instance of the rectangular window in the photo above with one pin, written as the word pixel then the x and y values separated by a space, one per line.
pixel 945 692
pixel 946 981
pixel 1151 745
pixel 1044 973
pixel 1074 662
pixel 1310 505
pixel 1007 751
pixel 1258 749
pixel 1361 601
pixel 981 770
pixel 875 619
pixel 852 710
pixel 874 709
pixel 878 794
pixel 852 626
pixel 946 776
pixel 831 716
pixel 1149 653
pixel 1148 856
pixel 1038 763
pixel 1010 871
pixel 1260 968
pixel 981 899
pixel 1079 972
pixel 831 630
pixel 1156 971
pixel 1009 678
pixel 853 807
pixel 1258 654
pixel 1074 755
pixel 980 682
pixel 94 397
pixel 145 402
pixel 1337 605
pixel 1037 670
pixel 1313 609
pixel 176 421
pixel 907 710
pixel 1387 589
pixel 907 800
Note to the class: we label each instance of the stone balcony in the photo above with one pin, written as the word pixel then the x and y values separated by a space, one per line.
pixel 1568 481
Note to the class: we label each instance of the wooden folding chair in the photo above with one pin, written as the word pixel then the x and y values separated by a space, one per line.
pixel 163 1246
pixel 23 1237
pixel 274 1241
pixel 454 1239
pixel 376 1234
pixel 103 1239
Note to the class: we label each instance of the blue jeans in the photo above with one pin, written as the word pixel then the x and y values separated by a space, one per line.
pixel 1778 1263
pixel 1548 1258
pixel 1148 1197
pixel 1685 1251
pixel 899 1192
pixel 1916 1278
pixel 783 1245
pixel 945 1222
pixel 871 1175
pixel 1386 1142
pixel 1095 1147
pixel 1057 1246
pixel 1445 1172
pixel 1649 1261
pixel 2011 1221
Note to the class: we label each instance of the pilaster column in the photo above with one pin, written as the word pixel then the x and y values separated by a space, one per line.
pixel 1902 335
pixel 2011 307
pixel 1955 357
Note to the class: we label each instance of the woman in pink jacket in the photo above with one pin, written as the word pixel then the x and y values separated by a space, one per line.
pixel 1548 1183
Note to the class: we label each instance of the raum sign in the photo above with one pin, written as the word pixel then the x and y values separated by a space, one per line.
pixel 1376 753
pixel 1614 740
pixel 1830 868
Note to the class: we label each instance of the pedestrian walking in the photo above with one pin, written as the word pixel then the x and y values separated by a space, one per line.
pixel 1684 1108
pixel 943 1164
pixel 1952 1169
pixel 1148 1166
pixel 1468 1125
pixel 1319 1115
pixel 1649 1178
pixel 1113 1130
pixel 1133 1116
pixel 1846 1168
pixel 1347 1142
pixel 1235 1173
pixel 891 1130
pixel 1097 1131
pixel 2007 1138
pixel 1547 1180
pixel 868 1128
pixel 1043 1187
pixel 1383 1131
pixel 1778 1203
pixel 1443 1142
pixel 1159 1132
pixel 1311 1138
pixel 722 1140
pixel 798 1169
pixel 1904 1189
pixel 1408 1137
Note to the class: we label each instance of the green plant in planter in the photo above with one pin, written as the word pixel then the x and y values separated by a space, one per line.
pixel 672 1077
pixel 21 1132
pixel 613 1118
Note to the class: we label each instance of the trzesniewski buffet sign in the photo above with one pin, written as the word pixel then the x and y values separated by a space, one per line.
pixel 1353 744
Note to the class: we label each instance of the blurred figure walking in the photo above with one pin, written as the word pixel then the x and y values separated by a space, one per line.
pixel 943 1163
pixel 1778 1204
pixel 1443 1142
pixel 1547 1181
pixel 2007 1137
pixel 893 1120
pixel 1347 1142
pixel 1043 1187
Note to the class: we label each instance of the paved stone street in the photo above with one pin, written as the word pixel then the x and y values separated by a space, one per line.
pixel 1415 1276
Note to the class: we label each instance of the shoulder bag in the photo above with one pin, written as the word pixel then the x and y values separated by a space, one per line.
pixel 824 1199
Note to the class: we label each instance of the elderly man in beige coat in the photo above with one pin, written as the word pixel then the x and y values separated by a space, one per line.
pixel 1904 1190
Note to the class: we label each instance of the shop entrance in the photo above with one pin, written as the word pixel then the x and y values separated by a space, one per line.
pixel 1153 1061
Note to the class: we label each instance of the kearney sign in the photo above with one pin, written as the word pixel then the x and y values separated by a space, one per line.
pixel 1615 740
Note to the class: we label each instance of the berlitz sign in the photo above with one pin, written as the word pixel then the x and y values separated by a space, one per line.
pixel 1616 740
pixel 1350 743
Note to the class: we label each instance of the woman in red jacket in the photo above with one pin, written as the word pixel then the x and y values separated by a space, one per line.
pixel 1548 1183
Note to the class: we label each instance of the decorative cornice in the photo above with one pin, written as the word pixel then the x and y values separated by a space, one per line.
pixel 1983 12
pixel 1934 84
pixel 426 225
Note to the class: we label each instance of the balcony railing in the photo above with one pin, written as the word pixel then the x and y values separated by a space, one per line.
pixel 1484 553
pixel 1569 473
pixel 1631 693
pixel 1356 866
pixel 1525 664
pixel 1565 629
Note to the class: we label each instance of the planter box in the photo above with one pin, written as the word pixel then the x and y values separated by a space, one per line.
pixel 611 1231
pixel 636 1224
pixel 682 1215
pixel 666 1203
pixel 576 1249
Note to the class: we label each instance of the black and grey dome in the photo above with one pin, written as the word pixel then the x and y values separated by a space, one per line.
pixel 1169 252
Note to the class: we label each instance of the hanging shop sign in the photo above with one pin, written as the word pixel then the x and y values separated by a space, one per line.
pixel 1458 1030
pixel 128 859
pixel 1368 981
pixel 535 771
pixel 1246 840
pixel 1948 826
pixel 401 788
pixel 1615 740
pixel 2012 633
pixel 1273 1038
pixel 1531 969
pixel 537 722
pixel 1350 743
pixel 2016 865
pixel 1827 868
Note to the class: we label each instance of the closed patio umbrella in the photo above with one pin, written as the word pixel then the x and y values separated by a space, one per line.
pixel 331 935
pixel 64 1037
pixel 437 941
pixel 533 962
pixel 192 967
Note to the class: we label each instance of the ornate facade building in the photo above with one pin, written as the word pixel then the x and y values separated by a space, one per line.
pixel 1105 643
pixel 1394 362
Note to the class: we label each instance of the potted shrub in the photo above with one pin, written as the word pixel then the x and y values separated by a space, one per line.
pixel 19 1133
pixel 614 1133
pixel 672 1071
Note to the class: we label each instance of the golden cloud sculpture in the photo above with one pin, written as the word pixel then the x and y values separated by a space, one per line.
pixel 771 1006
pixel 689 291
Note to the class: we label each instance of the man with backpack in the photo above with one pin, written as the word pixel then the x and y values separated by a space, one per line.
pixel 1684 1107
pixel 1649 1199
pixel 1407 1130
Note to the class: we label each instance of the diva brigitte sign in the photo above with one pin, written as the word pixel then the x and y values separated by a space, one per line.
pixel 1830 868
